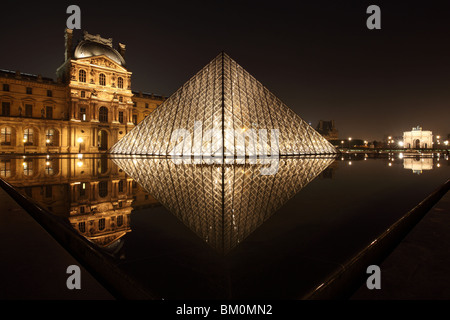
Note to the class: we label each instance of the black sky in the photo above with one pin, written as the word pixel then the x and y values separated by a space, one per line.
pixel 316 56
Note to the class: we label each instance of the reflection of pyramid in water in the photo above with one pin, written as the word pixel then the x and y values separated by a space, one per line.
pixel 223 98
pixel 222 204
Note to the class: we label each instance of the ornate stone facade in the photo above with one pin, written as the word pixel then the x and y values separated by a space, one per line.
pixel 92 193
pixel 418 139
pixel 87 109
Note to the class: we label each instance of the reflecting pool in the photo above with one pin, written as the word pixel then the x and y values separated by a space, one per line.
pixel 196 230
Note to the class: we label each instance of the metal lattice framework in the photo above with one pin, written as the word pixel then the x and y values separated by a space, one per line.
pixel 226 100
pixel 222 204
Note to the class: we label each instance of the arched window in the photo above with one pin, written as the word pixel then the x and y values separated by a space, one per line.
pixel 102 79
pixel 120 82
pixel 5 134
pixel 51 167
pixel 103 114
pixel 50 137
pixel 28 167
pixel 5 168
pixel 28 137
pixel 82 76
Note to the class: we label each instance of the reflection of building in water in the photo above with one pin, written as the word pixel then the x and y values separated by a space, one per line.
pixel 222 204
pixel 327 129
pixel 92 193
pixel 417 165
pixel 417 139
pixel 329 171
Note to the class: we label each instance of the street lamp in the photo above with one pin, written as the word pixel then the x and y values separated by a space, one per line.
pixel 349 139
pixel 24 141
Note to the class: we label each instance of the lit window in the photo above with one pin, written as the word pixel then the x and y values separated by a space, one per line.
pixel 28 136
pixel 49 168
pixel 5 168
pixel 49 137
pixel 28 167
pixel 120 82
pixel 83 114
pixel 5 136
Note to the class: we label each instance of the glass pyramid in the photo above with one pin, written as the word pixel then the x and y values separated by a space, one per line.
pixel 223 110
pixel 222 204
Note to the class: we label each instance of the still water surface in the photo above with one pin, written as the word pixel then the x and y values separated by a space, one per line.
pixel 212 231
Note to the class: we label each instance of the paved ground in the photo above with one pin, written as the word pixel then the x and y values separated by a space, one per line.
pixel 419 268
pixel 34 265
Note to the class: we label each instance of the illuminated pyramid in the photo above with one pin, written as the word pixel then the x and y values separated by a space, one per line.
pixel 223 110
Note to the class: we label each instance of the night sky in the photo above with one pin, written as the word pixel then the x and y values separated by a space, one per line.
pixel 318 57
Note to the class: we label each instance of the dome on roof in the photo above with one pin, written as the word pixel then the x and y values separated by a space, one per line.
pixel 87 48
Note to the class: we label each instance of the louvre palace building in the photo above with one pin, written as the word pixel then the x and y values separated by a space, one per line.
pixel 88 108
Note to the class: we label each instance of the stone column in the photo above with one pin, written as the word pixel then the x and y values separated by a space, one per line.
pixel 73 110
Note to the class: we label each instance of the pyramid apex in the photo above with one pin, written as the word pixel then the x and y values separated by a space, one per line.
pixel 223 97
